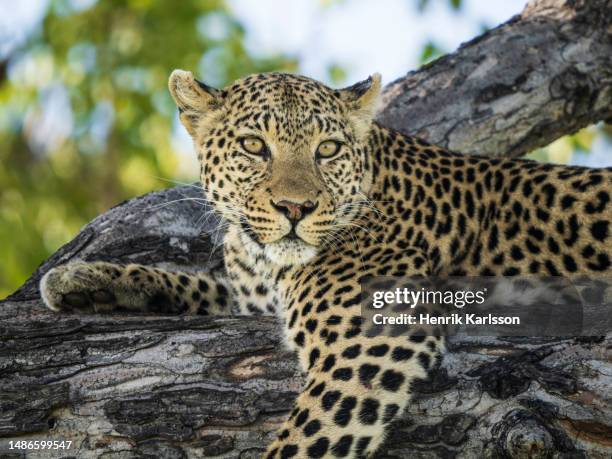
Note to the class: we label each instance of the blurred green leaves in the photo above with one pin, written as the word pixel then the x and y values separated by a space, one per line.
pixel 430 53
pixel 454 4
pixel 562 150
pixel 86 118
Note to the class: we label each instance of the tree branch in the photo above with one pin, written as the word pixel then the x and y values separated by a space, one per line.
pixel 543 74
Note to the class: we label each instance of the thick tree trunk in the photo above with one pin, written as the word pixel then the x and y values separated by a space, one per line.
pixel 176 387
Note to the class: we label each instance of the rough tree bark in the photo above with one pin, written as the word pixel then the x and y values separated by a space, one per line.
pixel 544 73
pixel 177 387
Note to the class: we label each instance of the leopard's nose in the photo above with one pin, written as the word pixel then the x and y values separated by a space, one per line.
pixel 295 211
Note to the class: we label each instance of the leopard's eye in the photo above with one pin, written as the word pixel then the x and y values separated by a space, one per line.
pixel 328 149
pixel 253 145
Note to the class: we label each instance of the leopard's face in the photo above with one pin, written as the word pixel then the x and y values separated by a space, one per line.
pixel 282 157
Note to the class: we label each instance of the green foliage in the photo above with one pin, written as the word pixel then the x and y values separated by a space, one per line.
pixel 113 60
pixel 337 74
pixel 430 53
pixel 454 4
pixel 563 149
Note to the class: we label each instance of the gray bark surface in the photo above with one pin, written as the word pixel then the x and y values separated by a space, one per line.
pixel 185 387
pixel 544 73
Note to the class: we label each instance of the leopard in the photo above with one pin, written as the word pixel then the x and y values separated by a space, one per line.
pixel 317 196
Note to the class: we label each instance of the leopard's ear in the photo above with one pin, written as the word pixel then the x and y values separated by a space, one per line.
pixel 362 100
pixel 196 101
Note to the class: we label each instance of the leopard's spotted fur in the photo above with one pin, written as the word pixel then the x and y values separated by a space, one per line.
pixel 304 228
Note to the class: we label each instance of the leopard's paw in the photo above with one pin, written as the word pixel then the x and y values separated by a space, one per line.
pixel 78 287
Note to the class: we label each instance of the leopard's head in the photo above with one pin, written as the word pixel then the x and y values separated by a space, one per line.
pixel 282 157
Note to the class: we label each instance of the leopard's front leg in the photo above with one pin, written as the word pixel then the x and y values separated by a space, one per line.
pixel 354 391
pixel 105 287
pixel 357 384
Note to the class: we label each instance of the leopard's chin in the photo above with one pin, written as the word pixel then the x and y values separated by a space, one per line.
pixel 289 252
